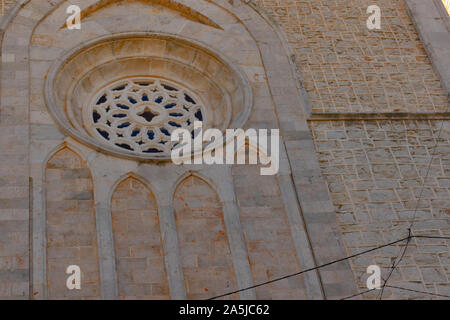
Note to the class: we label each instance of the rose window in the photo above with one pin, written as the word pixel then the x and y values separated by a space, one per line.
pixel 140 114
pixel 112 93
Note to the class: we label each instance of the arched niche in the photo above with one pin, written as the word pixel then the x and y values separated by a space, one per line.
pixel 205 254
pixel 137 240
pixel 71 234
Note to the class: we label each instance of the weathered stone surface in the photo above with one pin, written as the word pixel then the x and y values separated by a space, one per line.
pixel 205 254
pixel 266 231
pixel 374 169
pixel 348 68
pixel 139 259
pixel 71 228
pixel 377 205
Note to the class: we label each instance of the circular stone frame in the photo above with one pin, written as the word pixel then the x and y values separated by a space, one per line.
pixel 123 103
pixel 57 102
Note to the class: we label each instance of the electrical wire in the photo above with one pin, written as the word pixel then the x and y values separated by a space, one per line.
pixel 328 264
pixel 399 288
pixel 358 294
pixel 417 291
pixel 395 264
pixel 402 254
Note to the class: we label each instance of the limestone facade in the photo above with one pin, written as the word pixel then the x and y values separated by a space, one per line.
pixel 375 163
pixel 361 114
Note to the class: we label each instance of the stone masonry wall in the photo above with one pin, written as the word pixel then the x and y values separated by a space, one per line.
pixel 71 228
pixel 205 253
pixel 139 254
pixel 375 169
pixel 14 176
pixel 5 5
pixel 266 231
pixel 349 68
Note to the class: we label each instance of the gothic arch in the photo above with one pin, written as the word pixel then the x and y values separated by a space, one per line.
pixel 271 49
pixel 61 146
pixel 71 234
pixel 205 253
pixel 198 175
pixel 173 5
pixel 265 226
pixel 144 181
pixel 137 241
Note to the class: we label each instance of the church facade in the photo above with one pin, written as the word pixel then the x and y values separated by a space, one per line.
pixel 86 176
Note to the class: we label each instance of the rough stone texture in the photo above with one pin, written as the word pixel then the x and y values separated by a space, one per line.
pixel 433 24
pixel 71 231
pixel 137 240
pixel 348 68
pixel 205 253
pixel 14 171
pixel 375 171
pixel 269 241
pixel 5 5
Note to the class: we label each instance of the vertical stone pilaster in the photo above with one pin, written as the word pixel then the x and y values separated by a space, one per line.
pixel 298 230
pixel 291 107
pixel 238 250
pixel 172 256
pixel 14 173
pixel 106 254
pixel 433 26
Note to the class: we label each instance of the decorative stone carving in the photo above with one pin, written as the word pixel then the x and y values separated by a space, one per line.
pixel 98 92
pixel 140 114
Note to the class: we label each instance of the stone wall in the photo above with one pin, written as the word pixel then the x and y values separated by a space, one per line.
pixel 5 5
pixel 205 252
pixel 266 231
pixel 140 266
pixel 71 228
pixel 349 68
pixel 14 176
pixel 375 169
